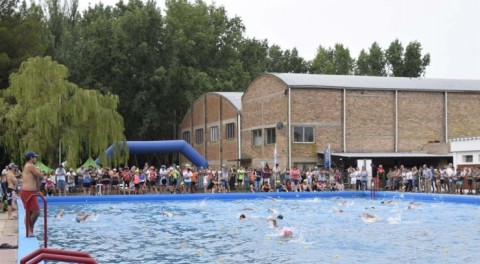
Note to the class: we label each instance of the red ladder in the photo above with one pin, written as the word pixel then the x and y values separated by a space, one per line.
pixel 42 254
pixel 45 253
pixel 27 223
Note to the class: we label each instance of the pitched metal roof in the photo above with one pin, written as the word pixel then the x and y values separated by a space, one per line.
pixel 234 97
pixel 299 80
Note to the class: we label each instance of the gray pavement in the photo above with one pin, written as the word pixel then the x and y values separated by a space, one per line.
pixel 9 235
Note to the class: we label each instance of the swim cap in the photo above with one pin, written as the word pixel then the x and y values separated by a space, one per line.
pixel 280 216
pixel 287 232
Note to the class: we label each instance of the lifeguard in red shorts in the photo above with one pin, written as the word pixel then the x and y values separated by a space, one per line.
pixel 31 178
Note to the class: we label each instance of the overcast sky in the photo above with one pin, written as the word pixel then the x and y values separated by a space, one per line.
pixel 447 29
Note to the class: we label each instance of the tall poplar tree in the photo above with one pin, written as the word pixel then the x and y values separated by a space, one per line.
pixel 407 62
pixel 333 61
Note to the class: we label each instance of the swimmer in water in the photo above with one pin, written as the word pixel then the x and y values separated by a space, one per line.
pixel 369 208
pixel 273 220
pixel 167 213
pixel 337 211
pixel 413 205
pixel 275 211
pixel 287 233
pixel 82 217
pixel 388 202
pixel 242 217
pixel 60 214
pixel 274 199
pixel 369 218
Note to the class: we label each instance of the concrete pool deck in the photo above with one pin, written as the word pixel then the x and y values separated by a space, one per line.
pixel 9 235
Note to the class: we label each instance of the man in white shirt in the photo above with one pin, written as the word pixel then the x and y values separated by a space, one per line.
pixel 450 177
pixel 60 174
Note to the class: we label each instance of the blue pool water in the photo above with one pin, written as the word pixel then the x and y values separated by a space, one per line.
pixel 208 230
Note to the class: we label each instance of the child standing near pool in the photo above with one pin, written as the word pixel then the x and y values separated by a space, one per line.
pixel 252 179
pixel 50 186
pixel 136 181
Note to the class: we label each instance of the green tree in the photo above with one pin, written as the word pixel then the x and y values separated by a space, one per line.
pixel 376 61
pixel 333 61
pixel 201 54
pixel 343 61
pixel 276 59
pixel 408 62
pixel 47 109
pixel 21 35
pixel 394 55
pixel 295 63
pixel 371 63
pixel 414 63
pixel 253 54
pixel 362 67
pixel 323 63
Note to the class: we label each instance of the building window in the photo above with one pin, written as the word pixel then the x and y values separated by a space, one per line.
pixel 230 130
pixel 303 134
pixel 271 137
pixel 186 136
pixel 257 137
pixel 214 133
pixel 199 136
pixel 467 158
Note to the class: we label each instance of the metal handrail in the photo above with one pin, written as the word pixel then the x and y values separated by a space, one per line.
pixel 27 223
pixel 58 255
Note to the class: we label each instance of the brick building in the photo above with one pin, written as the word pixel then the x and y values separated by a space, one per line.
pixel 211 126
pixel 388 120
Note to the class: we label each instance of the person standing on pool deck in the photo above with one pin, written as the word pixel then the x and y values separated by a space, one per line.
pixel 295 178
pixel 31 177
pixel 12 185
pixel 60 175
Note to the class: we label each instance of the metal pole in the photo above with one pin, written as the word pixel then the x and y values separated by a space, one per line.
pixel 446 117
pixel 344 120
pixel 396 120
pixel 289 127
pixel 59 132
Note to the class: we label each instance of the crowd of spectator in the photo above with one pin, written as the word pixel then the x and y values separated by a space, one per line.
pixel 188 179
pixel 424 179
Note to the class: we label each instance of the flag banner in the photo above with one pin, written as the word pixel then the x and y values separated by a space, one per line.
pixel 327 157
pixel 275 157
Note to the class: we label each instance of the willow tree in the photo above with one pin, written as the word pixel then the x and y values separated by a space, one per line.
pixel 47 113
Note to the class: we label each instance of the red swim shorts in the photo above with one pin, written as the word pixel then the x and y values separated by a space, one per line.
pixel 30 201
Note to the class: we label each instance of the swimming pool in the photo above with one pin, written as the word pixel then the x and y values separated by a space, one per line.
pixel 206 229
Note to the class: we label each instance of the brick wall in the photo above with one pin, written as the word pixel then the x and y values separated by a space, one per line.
pixel 217 111
pixel 421 117
pixel 369 121
pixel 322 109
pixel 463 115
pixel 263 106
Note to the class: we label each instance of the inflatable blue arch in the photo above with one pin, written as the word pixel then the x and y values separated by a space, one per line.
pixel 163 146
